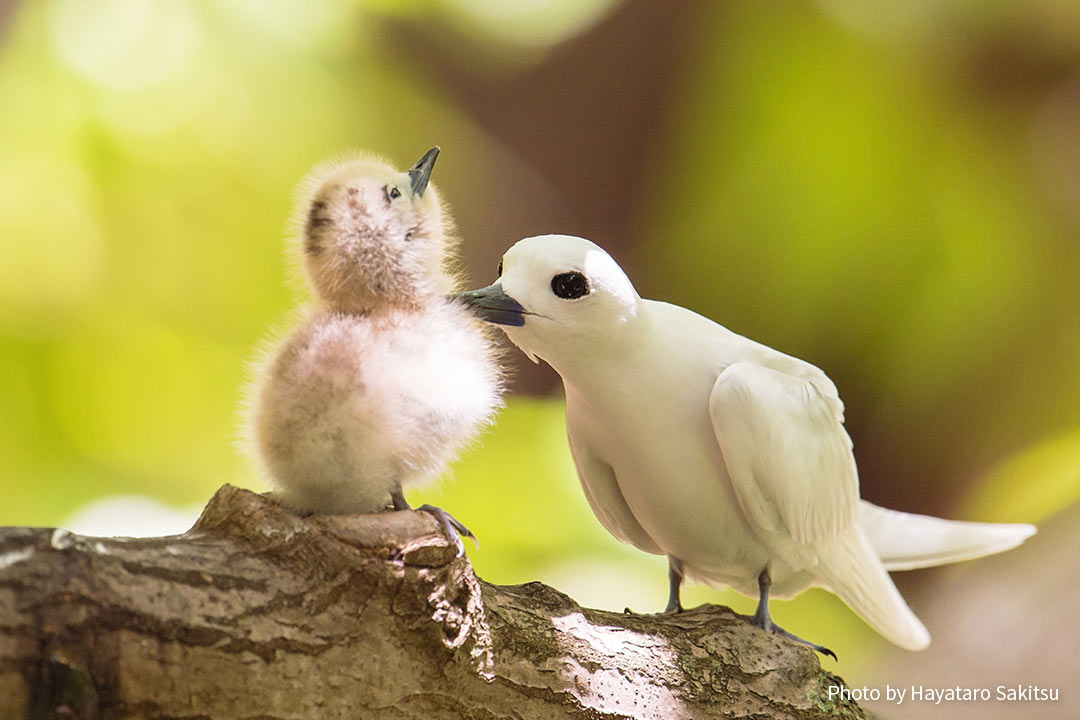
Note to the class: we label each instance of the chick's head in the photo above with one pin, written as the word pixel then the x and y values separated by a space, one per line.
pixel 373 236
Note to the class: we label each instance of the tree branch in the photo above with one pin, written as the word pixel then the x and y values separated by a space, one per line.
pixel 258 613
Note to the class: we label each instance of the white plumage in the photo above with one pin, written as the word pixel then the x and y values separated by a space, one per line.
pixel 384 379
pixel 727 456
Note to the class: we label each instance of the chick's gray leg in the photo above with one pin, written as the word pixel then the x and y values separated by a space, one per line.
pixel 675 578
pixel 452 525
pixel 398 498
pixel 764 621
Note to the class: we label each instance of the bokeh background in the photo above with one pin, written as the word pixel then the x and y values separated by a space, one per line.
pixel 889 190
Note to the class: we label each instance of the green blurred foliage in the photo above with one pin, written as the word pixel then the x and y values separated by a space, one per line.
pixel 830 182
pixel 857 204
pixel 147 179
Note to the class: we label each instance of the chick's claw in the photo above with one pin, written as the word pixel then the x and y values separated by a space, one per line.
pixel 454 527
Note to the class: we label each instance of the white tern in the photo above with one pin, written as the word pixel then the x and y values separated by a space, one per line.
pixel 385 378
pixel 721 453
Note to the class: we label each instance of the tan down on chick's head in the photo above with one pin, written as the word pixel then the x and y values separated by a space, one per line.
pixel 372 236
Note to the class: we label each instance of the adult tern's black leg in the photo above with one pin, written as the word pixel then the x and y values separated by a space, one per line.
pixel 764 621
pixel 675 578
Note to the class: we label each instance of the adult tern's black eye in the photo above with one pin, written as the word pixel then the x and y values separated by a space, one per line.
pixel 570 285
pixel 498 273
pixel 393 193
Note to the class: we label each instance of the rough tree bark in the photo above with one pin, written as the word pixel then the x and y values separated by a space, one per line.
pixel 258 613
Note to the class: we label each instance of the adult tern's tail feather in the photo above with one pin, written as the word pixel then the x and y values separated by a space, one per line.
pixel 851 569
pixel 904 541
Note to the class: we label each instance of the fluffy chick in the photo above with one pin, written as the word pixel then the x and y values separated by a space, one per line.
pixel 385 379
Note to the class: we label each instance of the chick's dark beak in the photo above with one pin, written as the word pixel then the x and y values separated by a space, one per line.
pixel 420 173
pixel 492 305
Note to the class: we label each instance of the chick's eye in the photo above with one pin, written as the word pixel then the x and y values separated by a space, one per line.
pixel 393 193
pixel 498 272
pixel 570 286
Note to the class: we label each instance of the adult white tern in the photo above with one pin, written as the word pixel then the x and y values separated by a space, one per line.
pixel 721 453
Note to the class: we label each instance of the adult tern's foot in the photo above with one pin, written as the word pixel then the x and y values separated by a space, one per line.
pixel 769 626
pixel 764 621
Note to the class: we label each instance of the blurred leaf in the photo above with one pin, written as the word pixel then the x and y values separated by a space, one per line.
pixel 1031 486
pixel 537 23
